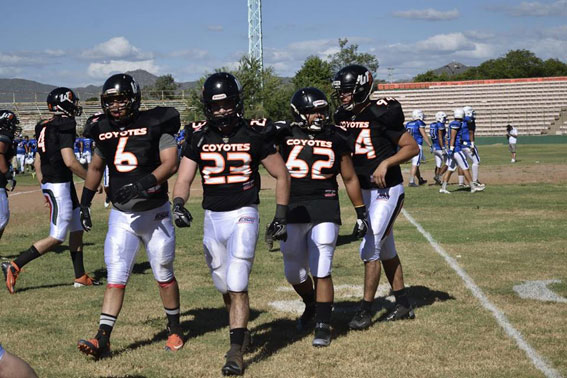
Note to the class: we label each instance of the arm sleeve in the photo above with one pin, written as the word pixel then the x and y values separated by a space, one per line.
pixel 166 141
pixel 66 139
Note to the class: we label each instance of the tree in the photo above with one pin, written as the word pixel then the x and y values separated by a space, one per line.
pixel 314 72
pixel 350 55
pixel 164 87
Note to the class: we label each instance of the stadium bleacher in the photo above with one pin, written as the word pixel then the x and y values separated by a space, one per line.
pixel 29 113
pixel 533 106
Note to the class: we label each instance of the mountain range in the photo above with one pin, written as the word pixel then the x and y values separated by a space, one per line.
pixel 22 90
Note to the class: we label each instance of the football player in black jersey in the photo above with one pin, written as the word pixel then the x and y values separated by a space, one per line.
pixel 55 165
pixel 315 152
pixel 227 149
pixel 8 128
pixel 381 144
pixel 141 154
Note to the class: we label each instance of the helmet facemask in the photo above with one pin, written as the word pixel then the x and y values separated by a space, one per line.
pixel 312 124
pixel 223 111
pixel 355 81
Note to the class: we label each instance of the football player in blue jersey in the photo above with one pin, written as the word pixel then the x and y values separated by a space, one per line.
pixel 437 133
pixel 416 128
pixel 21 151
pixel 456 155
pixel 227 149
pixel 471 149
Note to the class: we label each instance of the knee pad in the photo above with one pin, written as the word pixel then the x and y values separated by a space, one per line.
pixel 238 274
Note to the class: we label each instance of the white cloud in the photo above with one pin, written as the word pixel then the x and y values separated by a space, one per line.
pixel 446 42
pixel 215 28
pixel 116 48
pixel 56 52
pixel 536 8
pixel 102 70
pixel 428 14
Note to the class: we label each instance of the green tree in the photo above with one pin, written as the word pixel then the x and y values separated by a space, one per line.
pixel 350 55
pixel 554 67
pixel 163 88
pixel 314 72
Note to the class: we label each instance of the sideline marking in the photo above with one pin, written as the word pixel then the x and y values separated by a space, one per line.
pixel 537 360
pixel 538 290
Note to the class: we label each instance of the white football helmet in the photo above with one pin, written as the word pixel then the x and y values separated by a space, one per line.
pixel 459 113
pixel 440 117
pixel 417 114
pixel 28 160
pixel 469 111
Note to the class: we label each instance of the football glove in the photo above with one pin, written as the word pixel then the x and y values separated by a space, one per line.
pixel 129 191
pixel 181 215
pixel 86 220
pixel 11 180
pixel 268 239
pixel 277 230
pixel 361 225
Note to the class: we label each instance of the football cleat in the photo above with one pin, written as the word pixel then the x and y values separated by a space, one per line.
pixel 174 342
pixel 85 280
pixel 11 272
pixel 234 361
pixel 400 312
pixel 477 188
pixel 306 320
pixel 322 335
pixel 445 191
pixel 91 347
pixel 413 185
pixel 437 180
pixel 361 320
pixel 422 181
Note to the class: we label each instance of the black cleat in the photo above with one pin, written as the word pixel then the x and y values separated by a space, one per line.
pixel 307 319
pixel 422 181
pixel 234 364
pixel 361 320
pixel 322 335
pixel 399 313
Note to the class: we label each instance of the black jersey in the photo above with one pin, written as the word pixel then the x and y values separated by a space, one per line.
pixel 8 155
pixel 229 163
pixel 132 152
pixel 313 161
pixel 375 133
pixel 52 136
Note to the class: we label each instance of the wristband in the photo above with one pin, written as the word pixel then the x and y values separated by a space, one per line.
pixel 178 201
pixel 360 212
pixel 148 181
pixel 281 211
pixel 87 196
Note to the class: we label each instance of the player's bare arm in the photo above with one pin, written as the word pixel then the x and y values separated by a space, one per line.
pixel 425 136
pixel 350 180
pixel 185 176
pixel 408 148
pixel 168 166
pixel 72 163
pixel 37 166
pixel 275 166
pixel 4 167
pixel 95 172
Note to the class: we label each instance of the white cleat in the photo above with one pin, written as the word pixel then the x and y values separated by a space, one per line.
pixel 444 191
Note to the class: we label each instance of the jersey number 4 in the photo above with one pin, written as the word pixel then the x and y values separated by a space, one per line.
pixel 363 145
pixel 41 139
pixel 299 168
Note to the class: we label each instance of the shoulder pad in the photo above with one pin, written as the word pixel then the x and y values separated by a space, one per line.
pixel 92 121
pixel 263 126
pixel 388 110
pixel 341 115
pixel 167 117
pixel 66 124
pixel 5 138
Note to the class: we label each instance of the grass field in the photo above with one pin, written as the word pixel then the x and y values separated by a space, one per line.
pixel 511 233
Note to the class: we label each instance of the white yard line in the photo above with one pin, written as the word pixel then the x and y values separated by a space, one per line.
pixel 538 361
pixel 36 190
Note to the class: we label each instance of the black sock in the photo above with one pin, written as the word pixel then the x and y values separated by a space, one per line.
pixel 173 320
pixel 323 314
pixel 402 297
pixel 77 258
pixel 309 297
pixel 26 256
pixel 105 328
pixel 237 336
pixel 365 305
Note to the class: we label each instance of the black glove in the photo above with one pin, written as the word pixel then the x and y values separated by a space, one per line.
pixel 136 189
pixel 181 215
pixel 11 180
pixel 361 226
pixel 86 220
pixel 277 230
pixel 268 239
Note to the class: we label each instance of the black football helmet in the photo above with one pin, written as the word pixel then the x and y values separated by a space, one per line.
pixel 64 101
pixel 123 89
pixel 218 87
pixel 356 80
pixel 308 101
pixel 9 123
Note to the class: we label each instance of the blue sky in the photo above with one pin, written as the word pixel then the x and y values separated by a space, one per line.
pixel 75 43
